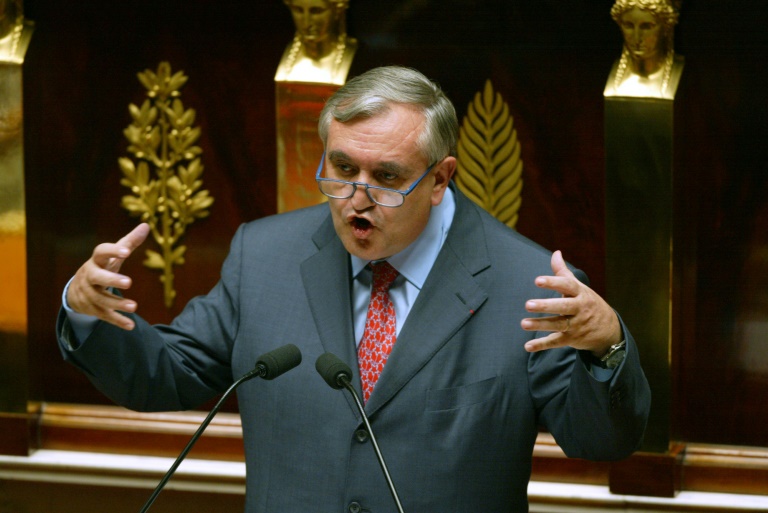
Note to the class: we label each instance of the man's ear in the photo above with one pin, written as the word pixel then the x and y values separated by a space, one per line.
pixel 443 172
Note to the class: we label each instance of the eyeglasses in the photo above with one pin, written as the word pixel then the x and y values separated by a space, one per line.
pixel 341 189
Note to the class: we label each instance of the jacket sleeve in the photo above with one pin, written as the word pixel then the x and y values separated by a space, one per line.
pixel 164 367
pixel 589 418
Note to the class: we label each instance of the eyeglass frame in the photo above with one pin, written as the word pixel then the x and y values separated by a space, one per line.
pixel 367 186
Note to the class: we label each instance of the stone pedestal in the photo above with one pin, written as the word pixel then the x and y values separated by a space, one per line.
pixel 299 148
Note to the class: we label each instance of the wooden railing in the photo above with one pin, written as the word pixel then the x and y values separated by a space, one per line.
pixel 110 429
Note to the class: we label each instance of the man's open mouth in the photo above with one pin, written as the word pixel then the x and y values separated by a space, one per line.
pixel 360 223
pixel 361 227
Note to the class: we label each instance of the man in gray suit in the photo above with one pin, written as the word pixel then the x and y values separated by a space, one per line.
pixel 495 336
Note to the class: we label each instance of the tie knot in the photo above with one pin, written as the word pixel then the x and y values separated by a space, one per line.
pixel 383 275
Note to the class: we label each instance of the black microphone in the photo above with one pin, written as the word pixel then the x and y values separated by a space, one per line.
pixel 269 366
pixel 338 375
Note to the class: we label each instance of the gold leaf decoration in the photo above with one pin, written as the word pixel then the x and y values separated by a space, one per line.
pixel 489 165
pixel 162 137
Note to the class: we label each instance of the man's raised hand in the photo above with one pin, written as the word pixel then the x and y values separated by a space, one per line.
pixel 89 292
pixel 580 318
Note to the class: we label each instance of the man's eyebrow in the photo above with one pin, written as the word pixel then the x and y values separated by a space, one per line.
pixel 338 155
pixel 392 167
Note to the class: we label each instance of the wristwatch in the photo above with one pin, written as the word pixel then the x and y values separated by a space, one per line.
pixel 613 357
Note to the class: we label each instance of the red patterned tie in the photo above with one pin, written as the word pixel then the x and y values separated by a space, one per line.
pixel 380 328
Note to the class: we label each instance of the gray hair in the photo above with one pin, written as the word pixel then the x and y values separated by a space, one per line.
pixel 374 91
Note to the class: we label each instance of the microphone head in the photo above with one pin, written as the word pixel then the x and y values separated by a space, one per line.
pixel 278 361
pixel 333 370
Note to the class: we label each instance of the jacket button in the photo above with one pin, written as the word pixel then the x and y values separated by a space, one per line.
pixel 354 507
pixel 361 435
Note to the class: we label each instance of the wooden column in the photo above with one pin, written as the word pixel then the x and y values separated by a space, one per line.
pixel 640 271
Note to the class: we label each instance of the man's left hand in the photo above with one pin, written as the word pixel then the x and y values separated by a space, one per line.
pixel 580 318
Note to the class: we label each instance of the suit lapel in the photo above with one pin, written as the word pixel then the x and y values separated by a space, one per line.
pixel 449 298
pixel 326 278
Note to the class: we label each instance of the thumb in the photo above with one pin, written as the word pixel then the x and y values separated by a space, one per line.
pixel 558 265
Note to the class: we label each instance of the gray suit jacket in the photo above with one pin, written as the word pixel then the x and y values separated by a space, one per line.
pixel 458 405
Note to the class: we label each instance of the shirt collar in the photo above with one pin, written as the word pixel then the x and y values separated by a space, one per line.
pixel 415 261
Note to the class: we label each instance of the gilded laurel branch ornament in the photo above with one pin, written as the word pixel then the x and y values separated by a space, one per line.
pixel 489 165
pixel 162 138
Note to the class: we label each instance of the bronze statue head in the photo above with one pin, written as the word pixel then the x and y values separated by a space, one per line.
pixel 648 66
pixel 321 51
pixel 647 26
pixel 318 22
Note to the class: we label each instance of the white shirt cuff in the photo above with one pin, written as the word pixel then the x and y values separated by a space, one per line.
pixel 82 324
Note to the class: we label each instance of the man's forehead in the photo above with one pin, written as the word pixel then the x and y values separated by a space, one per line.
pixel 394 135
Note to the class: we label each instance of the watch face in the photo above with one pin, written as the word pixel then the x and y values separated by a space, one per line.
pixel 615 359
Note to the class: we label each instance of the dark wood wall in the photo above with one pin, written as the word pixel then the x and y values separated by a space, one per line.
pixel 549 59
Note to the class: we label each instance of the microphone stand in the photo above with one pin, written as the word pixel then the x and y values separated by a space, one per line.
pixel 338 375
pixel 193 440
pixel 269 366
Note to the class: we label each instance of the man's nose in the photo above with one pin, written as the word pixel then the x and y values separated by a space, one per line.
pixel 360 199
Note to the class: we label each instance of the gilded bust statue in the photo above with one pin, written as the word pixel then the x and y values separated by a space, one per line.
pixel 15 32
pixel 321 51
pixel 648 66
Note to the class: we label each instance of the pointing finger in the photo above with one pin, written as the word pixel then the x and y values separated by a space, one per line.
pixel 111 256
pixel 135 238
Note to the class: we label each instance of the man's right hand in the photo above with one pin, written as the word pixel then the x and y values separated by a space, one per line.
pixel 89 292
